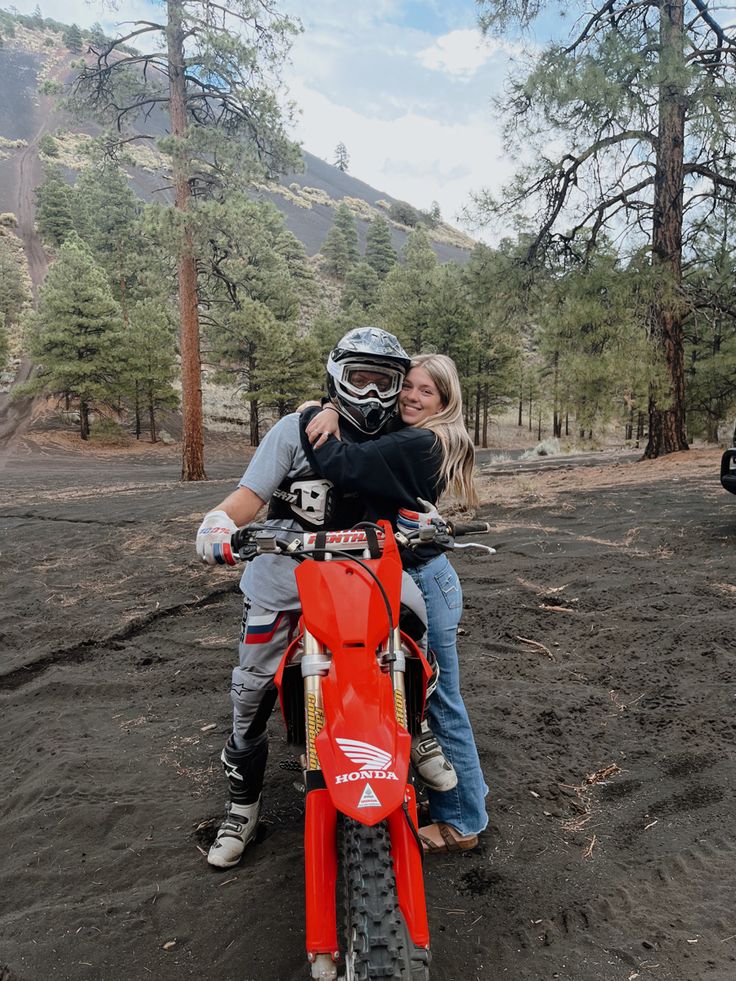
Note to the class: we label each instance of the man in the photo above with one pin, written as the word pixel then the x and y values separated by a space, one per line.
pixel 365 374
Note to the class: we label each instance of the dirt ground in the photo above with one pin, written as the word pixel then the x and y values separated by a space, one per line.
pixel 598 668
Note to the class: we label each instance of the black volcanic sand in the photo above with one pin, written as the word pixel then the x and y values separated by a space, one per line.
pixel 598 669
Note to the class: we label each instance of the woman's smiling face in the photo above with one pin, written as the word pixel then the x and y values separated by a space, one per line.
pixel 419 398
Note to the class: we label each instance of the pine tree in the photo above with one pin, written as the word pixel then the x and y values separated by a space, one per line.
pixel 78 344
pixel 640 105
pixel 497 294
pixel 406 294
pixel 251 292
pixel 345 221
pixel 95 36
pixel 325 330
pixel 54 208
pixel 72 38
pixel 148 358
pixel 270 363
pixel 361 288
pixel 710 351
pixel 289 247
pixel 212 70
pixel 379 251
pixel 341 157
pixel 105 212
pixel 14 294
pixel 335 251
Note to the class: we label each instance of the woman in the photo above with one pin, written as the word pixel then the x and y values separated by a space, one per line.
pixel 430 456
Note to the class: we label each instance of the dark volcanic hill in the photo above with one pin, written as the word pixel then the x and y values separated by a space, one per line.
pixel 307 199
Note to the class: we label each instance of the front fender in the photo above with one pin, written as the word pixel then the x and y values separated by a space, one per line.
pixel 363 751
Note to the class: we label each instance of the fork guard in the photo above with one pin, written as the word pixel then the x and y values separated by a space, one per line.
pixel 320 868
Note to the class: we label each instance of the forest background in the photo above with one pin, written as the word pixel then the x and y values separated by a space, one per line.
pixel 609 307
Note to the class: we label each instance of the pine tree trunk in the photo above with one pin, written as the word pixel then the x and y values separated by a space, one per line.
pixel 520 421
pixel 556 418
pixel 152 416
pixel 137 410
pixel 83 418
pixel 476 434
pixel 667 432
pixel 485 417
pixel 192 464
pixel 255 429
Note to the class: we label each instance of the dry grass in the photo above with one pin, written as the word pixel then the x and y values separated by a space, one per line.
pixel 552 487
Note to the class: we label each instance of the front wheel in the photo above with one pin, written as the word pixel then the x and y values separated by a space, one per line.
pixel 377 943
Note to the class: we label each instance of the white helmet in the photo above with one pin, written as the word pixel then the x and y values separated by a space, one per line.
pixel 365 372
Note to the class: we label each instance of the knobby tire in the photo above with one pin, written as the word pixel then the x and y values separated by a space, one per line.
pixel 377 943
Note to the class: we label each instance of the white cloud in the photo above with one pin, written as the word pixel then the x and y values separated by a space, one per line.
pixel 461 53
pixel 412 157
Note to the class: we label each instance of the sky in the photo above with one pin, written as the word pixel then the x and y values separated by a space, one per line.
pixel 406 85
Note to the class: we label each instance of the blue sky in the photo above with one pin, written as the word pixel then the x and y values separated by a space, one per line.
pixel 406 85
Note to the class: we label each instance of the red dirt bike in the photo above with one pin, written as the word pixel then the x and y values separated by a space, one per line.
pixel 352 688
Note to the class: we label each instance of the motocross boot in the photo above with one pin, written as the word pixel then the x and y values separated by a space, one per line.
pixel 244 769
pixel 434 770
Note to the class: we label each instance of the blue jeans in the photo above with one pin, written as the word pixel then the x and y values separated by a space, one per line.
pixel 464 807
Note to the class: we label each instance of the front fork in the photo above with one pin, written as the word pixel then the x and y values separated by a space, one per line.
pixel 320 849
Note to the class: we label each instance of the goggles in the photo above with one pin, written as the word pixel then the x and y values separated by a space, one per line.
pixel 363 380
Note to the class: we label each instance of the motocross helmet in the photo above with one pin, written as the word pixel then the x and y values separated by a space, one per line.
pixel 365 372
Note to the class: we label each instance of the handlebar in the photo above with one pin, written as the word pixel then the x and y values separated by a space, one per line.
pixel 252 540
pixel 256 539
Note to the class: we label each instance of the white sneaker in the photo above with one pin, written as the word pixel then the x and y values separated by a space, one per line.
pixel 429 761
pixel 238 828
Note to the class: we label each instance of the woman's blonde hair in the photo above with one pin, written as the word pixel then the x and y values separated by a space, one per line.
pixel 448 426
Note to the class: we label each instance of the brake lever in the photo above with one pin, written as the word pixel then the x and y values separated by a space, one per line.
pixel 483 548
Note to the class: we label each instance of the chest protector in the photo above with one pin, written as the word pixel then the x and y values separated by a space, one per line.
pixel 314 502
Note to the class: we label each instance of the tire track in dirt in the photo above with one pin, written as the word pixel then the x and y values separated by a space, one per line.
pixel 89 650
pixel 652 898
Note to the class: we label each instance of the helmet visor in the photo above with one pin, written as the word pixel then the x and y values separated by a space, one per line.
pixel 363 381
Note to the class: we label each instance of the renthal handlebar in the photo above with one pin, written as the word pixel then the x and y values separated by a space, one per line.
pixel 255 540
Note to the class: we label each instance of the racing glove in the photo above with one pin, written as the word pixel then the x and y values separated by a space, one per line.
pixel 213 539
pixel 409 521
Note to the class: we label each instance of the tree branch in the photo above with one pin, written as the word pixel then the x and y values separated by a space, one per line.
pixel 724 41
pixel 718 179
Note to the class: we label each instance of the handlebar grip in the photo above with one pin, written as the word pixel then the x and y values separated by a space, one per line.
pixel 468 528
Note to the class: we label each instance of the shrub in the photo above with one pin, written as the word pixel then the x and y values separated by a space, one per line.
pixel 403 213
pixel 47 145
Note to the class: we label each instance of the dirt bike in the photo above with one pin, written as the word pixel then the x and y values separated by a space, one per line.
pixel 352 688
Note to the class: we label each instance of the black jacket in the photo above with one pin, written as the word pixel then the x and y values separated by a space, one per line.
pixel 389 473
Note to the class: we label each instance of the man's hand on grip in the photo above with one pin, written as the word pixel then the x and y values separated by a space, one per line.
pixel 213 539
